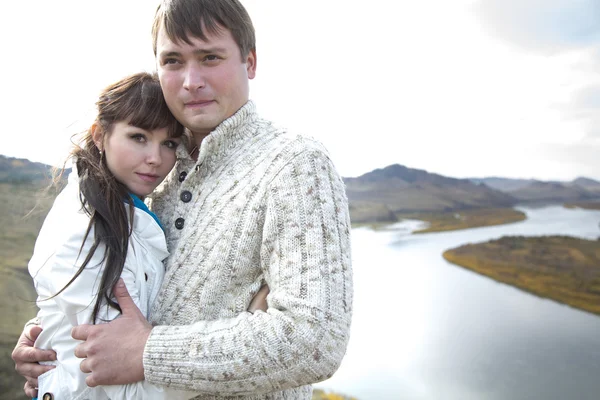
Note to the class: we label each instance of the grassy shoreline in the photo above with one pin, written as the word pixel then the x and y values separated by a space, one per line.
pixel 320 394
pixel 456 220
pixel 586 205
pixel 451 220
pixel 561 268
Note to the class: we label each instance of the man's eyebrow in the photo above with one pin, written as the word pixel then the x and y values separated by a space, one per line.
pixel 210 50
pixel 169 54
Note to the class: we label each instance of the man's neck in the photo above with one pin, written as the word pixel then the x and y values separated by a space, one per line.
pixel 198 137
pixel 197 141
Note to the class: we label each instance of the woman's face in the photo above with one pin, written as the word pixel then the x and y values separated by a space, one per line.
pixel 138 158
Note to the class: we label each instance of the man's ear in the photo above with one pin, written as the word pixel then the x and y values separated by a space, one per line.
pixel 98 136
pixel 251 64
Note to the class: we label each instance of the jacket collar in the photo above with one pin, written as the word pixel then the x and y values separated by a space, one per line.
pixel 145 228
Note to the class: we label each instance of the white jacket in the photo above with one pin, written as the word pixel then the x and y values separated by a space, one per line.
pixel 55 261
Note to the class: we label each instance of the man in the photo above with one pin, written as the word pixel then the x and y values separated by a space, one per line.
pixel 250 204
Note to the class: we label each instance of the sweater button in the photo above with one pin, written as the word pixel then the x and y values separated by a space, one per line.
pixel 179 223
pixel 48 396
pixel 182 176
pixel 186 196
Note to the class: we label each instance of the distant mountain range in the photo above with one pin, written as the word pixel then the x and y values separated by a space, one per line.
pixel 20 170
pixel 379 194
pixel 384 192
pixel 404 189
pixel 531 190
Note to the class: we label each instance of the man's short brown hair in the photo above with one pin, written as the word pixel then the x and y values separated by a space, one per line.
pixel 184 18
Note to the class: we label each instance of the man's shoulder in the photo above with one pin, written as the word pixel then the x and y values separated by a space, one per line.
pixel 288 140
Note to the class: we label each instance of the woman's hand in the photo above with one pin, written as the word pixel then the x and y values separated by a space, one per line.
pixel 259 301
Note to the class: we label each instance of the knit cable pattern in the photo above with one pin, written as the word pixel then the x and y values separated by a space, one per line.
pixel 267 206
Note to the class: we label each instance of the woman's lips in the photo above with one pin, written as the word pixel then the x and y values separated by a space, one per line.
pixel 147 177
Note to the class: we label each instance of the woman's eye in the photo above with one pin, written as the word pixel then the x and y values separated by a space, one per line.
pixel 171 144
pixel 138 137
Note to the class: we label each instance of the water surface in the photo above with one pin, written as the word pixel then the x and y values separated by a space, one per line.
pixel 426 329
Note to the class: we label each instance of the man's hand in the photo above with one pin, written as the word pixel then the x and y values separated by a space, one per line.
pixel 26 358
pixel 259 301
pixel 114 351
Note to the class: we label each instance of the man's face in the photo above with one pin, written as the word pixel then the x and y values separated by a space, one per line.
pixel 204 82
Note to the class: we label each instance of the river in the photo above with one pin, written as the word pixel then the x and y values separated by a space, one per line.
pixel 425 329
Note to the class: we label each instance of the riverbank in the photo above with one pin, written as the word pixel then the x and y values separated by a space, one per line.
pixel 455 220
pixel 561 268
pixel 379 218
pixel 319 394
pixel 586 205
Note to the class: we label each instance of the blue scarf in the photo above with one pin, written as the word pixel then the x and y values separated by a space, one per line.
pixel 138 203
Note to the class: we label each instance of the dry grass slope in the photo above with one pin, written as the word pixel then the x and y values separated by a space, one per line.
pixel 561 268
pixel 319 394
pixel 20 220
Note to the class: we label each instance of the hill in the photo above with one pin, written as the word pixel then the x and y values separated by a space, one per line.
pixel 552 191
pixel 406 190
pixel 24 203
pixel 531 190
pixel 588 184
pixel 503 184
pixel 20 170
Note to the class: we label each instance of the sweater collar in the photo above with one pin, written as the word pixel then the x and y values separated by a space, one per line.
pixel 228 135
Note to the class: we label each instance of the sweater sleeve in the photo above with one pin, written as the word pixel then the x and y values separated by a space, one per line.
pixel 302 338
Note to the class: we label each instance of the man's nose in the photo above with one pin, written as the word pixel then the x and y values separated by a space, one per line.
pixel 194 77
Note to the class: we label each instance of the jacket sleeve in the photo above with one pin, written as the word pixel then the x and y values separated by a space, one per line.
pixel 302 338
pixel 76 303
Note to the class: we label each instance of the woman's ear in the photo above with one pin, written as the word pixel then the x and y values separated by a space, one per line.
pixel 98 136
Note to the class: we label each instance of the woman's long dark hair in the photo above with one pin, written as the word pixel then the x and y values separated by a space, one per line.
pixel 137 99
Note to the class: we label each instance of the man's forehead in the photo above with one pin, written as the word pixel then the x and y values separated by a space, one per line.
pixel 190 39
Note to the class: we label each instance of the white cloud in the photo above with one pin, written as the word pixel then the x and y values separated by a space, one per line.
pixel 421 83
pixel 546 26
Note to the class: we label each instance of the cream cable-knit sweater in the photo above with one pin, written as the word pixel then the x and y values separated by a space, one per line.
pixel 259 205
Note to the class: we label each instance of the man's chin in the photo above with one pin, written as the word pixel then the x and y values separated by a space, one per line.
pixel 201 127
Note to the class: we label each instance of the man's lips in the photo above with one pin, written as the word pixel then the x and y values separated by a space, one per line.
pixel 197 103
pixel 147 177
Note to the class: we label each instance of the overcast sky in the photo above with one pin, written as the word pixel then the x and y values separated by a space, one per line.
pixel 461 88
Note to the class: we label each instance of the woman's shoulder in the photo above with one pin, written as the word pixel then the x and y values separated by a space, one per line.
pixel 66 218
pixel 67 207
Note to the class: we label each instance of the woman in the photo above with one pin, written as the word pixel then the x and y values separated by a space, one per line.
pixel 99 230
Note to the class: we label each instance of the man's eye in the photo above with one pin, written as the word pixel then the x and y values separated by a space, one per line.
pixel 211 57
pixel 169 61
